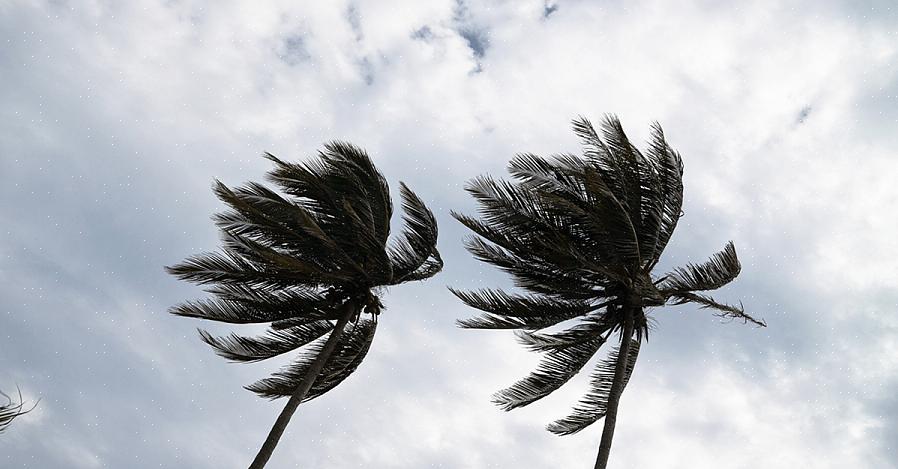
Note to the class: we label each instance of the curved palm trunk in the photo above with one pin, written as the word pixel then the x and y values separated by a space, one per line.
pixel 349 310
pixel 617 387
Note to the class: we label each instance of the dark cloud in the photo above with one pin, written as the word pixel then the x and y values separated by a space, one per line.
pixel 293 50
pixel 424 33
pixel 803 114
pixel 355 21
pixel 476 36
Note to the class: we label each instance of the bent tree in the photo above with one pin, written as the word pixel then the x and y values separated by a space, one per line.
pixel 581 236
pixel 312 263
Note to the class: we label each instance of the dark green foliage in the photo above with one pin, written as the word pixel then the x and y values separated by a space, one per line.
pixel 299 259
pixel 581 236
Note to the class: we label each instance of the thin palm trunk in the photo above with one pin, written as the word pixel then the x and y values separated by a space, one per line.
pixel 617 387
pixel 349 310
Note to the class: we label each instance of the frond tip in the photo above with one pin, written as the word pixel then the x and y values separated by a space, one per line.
pixel 12 409
pixel 557 368
pixel 721 269
pixel 414 256
pixel 722 310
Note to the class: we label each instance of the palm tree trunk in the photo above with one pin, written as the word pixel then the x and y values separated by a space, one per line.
pixel 617 387
pixel 349 310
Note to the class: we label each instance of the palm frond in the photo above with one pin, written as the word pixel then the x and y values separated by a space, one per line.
pixel 556 368
pixel 221 267
pixel 350 352
pixel 722 310
pixel 651 209
pixel 615 159
pixel 308 182
pixel 234 305
pixel 601 222
pixel 594 404
pixel 580 333
pixel 271 344
pixel 347 197
pixel 539 276
pixel 432 266
pixel 506 311
pixel 414 256
pixel 12 410
pixel 374 188
pixel 266 215
pixel 539 174
pixel 213 309
pixel 550 217
pixel 669 165
pixel 722 268
pixel 285 265
pixel 513 212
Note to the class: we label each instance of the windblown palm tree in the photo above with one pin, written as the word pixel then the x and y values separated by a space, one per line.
pixel 12 410
pixel 581 236
pixel 309 263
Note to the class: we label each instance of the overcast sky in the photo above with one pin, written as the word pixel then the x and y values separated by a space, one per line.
pixel 116 116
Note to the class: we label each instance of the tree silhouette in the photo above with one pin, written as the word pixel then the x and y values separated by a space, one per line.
pixel 581 236
pixel 309 263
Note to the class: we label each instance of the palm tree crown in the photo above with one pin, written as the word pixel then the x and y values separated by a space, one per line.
pixel 302 261
pixel 294 260
pixel 581 236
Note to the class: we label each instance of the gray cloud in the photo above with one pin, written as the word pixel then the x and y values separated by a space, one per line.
pixel 474 33
pixel 549 8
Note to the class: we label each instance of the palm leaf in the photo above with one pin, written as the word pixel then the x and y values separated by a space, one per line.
pixel 580 333
pixel 264 307
pixel 722 310
pixel 414 256
pixel 271 344
pixel 670 172
pixel 556 368
pixel 350 351
pixel 12 410
pixel 537 275
pixel 506 311
pixel 721 269
pixel 594 404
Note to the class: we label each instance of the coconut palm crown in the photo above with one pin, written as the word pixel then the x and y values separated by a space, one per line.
pixel 581 237
pixel 309 263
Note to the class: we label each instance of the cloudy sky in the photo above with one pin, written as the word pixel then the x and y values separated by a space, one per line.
pixel 116 116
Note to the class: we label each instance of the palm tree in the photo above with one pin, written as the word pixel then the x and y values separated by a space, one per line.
pixel 12 409
pixel 581 236
pixel 309 263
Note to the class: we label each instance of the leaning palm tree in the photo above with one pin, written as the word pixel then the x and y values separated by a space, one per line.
pixel 12 410
pixel 309 263
pixel 581 236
